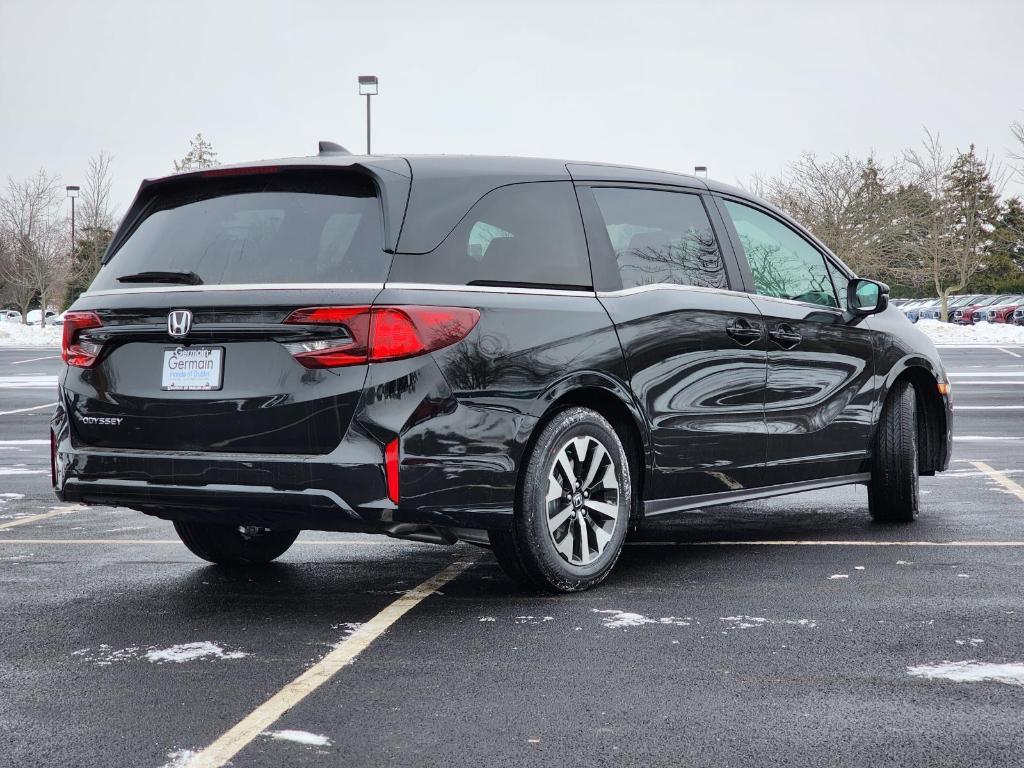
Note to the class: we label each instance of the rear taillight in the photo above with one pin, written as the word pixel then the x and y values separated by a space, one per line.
pixel 377 334
pixel 75 350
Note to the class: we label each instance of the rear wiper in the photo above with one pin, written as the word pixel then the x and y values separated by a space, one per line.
pixel 183 278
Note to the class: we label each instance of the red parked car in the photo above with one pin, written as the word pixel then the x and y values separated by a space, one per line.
pixel 970 314
pixel 1003 313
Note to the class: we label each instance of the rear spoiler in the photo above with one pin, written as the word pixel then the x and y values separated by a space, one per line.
pixel 391 176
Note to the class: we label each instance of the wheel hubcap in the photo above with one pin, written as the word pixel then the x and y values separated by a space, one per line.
pixel 582 500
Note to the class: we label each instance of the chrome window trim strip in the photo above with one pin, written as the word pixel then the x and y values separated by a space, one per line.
pixel 669 287
pixel 489 289
pixel 239 287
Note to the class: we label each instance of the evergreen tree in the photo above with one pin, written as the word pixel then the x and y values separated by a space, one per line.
pixel 200 155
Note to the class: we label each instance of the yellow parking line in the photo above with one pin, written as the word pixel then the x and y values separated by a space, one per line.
pixel 36 518
pixel 1014 488
pixel 344 542
pixel 261 718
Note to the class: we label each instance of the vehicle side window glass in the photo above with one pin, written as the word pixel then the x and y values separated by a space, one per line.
pixel 784 265
pixel 840 281
pixel 519 235
pixel 661 237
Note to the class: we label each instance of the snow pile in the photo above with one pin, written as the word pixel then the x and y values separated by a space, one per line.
pixel 20 335
pixel 192 651
pixel 982 333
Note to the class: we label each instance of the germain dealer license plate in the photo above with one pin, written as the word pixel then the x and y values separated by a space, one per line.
pixel 192 369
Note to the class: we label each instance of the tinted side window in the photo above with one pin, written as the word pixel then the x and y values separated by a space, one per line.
pixel 784 265
pixel 521 234
pixel 661 237
pixel 840 281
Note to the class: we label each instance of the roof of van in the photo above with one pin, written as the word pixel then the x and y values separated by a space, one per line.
pixel 429 194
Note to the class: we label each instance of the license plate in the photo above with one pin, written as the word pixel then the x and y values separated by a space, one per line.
pixel 192 369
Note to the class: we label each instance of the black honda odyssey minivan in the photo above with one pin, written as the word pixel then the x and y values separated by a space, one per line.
pixel 531 355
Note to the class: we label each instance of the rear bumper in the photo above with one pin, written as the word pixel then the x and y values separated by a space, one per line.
pixel 443 483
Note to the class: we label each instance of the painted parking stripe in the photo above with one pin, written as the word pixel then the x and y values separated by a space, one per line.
pixel 24 442
pixel 1014 374
pixel 36 359
pixel 1007 351
pixel 1015 488
pixel 26 410
pixel 261 718
pixel 54 512
pixel 983 438
pixel 378 541
pixel 988 407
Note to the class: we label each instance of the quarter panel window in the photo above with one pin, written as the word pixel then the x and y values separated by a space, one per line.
pixel 784 265
pixel 661 237
pixel 521 234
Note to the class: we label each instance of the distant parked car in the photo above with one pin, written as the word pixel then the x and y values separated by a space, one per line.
pixel 965 315
pixel 1003 311
pixel 34 315
pixel 914 314
pixel 1018 316
pixel 934 312
pixel 10 316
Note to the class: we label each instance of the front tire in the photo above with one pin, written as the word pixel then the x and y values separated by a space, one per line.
pixel 893 494
pixel 573 506
pixel 233 544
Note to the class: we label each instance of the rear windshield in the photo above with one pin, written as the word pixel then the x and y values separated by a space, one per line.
pixel 275 228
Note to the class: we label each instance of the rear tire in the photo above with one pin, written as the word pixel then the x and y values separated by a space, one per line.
pixel 573 506
pixel 233 544
pixel 893 494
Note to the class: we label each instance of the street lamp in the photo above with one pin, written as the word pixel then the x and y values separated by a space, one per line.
pixel 367 88
pixel 72 190
pixel 700 170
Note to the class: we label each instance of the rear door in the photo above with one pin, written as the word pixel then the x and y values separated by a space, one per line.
pixel 197 345
pixel 694 347
pixel 820 398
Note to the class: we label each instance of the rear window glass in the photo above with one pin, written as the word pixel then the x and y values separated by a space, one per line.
pixel 270 229
pixel 661 237
pixel 518 235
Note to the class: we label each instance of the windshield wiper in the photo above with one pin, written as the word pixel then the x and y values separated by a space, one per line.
pixel 182 278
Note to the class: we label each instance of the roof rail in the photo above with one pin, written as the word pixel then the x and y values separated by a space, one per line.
pixel 331 148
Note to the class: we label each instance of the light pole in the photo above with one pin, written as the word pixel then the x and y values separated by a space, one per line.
pixel 367 88
pixel 700 170
pixel 72 190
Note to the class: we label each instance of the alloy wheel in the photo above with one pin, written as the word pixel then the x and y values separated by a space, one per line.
pixel 582 500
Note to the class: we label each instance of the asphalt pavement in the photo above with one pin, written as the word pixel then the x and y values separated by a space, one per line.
pixel 787 632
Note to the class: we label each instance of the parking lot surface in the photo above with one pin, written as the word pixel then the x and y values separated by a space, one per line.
pixel 785 632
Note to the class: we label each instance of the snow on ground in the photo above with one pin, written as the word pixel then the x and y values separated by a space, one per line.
pixel 301 737
pixel 191 652
pixel 971 672
pixel 20 335
pixel 982 333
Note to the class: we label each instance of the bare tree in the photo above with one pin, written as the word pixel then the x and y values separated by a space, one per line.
pixel 96 224
pixel 1017 154
pixel 949 212
pixel 36 230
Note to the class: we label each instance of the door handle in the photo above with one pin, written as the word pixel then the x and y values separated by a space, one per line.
pixel 744 331
pixel 785 335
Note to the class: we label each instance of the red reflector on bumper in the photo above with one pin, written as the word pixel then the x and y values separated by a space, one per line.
pixel 391 469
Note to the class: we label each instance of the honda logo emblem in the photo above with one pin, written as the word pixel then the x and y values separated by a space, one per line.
pixel 179 323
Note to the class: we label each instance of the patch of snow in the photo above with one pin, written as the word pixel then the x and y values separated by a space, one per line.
pixel 974 642
pixel 300 737
pixel 619 619
pixel 858 567
pixel 533 619
pixel 487 618
pixel 184 652
pixel 983 333
pixel 744 622
pixel 971 672
pixel 348 629
pixel 18 469
pixel 6 497
pixel 904 562
pixel 179 758
pixel 21 335
pixel 839 576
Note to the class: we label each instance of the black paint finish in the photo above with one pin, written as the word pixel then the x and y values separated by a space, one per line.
pixel 722 394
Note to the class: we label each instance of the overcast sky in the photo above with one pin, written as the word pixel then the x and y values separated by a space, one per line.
pixel 738 86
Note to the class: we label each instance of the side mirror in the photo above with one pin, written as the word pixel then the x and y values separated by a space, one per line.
pixel 866 297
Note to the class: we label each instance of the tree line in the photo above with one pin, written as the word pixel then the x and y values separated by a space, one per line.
pixel 931 222
pixel 39 265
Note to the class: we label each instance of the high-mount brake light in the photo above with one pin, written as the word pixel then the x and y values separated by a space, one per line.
pixel 244 171
pixel 76 351
pixel 377 334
